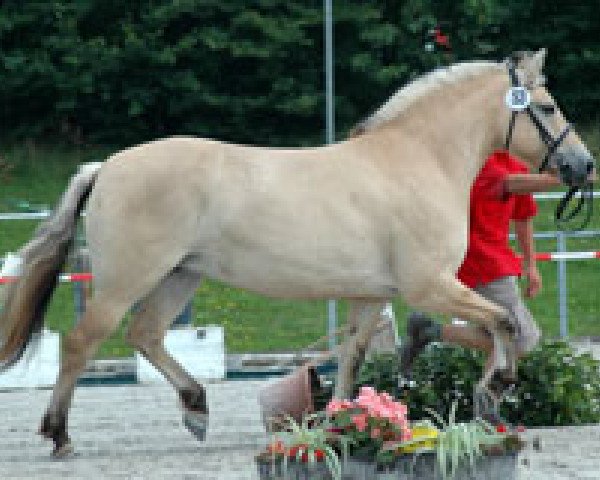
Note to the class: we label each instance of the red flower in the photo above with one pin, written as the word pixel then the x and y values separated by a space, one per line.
pixel 501 428
pixel 293 451
pixel 440 38
pixel 319 456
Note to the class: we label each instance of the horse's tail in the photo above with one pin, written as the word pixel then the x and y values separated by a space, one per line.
pixel 37 267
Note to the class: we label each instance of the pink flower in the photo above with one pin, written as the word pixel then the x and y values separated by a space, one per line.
pixel 386 397
pixel 406 434
pixel 360 421
pixel 367 392
pixel 334 406
pixel 375 433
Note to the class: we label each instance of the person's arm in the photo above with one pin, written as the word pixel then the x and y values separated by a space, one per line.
pixel 530 182
pixel 524 233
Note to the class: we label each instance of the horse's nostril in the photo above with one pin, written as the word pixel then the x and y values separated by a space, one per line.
pixel 590 166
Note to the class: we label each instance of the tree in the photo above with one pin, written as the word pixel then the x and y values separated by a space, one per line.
pixel 251 71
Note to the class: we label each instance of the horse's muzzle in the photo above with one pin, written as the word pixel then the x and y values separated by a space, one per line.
pixel 576 170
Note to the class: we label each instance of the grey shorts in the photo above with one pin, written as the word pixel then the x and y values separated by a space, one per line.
pixel 505 292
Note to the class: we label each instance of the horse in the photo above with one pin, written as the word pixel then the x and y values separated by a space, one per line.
pixel 381 214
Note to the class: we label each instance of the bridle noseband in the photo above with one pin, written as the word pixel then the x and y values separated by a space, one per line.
pixel 587 194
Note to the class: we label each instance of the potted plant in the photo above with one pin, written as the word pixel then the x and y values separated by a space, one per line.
pixel 306 450
pixel 457 450
pixel 367 422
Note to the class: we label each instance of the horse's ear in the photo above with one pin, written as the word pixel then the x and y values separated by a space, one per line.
pixel 529 66
pixel 537 62
pixel 516 58
pixel 534 66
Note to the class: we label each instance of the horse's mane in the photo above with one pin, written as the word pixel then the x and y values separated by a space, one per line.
pixel 421 87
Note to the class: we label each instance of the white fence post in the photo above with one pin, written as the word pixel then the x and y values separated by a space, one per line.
pixel 563 309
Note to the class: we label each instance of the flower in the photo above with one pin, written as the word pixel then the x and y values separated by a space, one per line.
pixel 335 406
pixel 424 436
pixel 369 420
pixel 319 456
pixel 308 441
pixel 360 421
pixel 276 447
pixel 303 451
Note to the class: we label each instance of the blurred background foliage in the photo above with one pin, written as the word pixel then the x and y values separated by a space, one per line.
pixel 108 72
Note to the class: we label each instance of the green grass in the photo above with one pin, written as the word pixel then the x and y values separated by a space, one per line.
pixel 254 323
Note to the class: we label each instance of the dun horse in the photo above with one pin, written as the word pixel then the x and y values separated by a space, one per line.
pixel 379 215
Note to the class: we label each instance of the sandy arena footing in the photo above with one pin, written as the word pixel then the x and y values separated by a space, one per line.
pixel 136 432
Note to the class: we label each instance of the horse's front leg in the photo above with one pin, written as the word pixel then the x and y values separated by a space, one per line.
pixel 362 321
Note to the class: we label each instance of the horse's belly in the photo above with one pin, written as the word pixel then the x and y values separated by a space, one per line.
pixel 293 277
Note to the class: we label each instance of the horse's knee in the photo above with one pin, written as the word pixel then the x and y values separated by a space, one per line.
pixel 132 336
pixel 143 339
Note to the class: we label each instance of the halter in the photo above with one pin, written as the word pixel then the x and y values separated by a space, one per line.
pixel 587 194
pixel 546 135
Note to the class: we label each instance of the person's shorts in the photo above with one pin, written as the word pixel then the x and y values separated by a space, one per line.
pixel 505 292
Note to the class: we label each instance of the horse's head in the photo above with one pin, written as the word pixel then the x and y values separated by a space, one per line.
pixel 538 131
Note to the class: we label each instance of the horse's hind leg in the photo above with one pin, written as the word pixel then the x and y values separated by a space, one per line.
pixel 80 345
pixel 146 332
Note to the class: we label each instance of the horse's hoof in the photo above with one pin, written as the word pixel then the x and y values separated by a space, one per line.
pixel 503 383
pixel 485 403
pixel 506 325
pixel 197 423
pixel 62 452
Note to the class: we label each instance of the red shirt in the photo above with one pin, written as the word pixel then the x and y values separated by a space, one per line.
pixel 489 255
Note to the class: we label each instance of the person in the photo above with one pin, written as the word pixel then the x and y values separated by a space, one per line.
pixel 500 194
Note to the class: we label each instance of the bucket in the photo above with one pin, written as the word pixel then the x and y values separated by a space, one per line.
pixel 291 395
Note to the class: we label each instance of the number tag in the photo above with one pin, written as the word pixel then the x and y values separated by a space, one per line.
pixel 518 98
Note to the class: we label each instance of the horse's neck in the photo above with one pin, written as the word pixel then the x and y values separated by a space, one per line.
pixel 460 128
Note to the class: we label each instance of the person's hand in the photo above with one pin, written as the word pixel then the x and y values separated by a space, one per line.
pixel 534 281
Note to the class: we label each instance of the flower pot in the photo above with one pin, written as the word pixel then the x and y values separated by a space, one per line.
pixel 307 471
pixel 293 471
pixel 270 470
pixel 291 395
pixel 425 467
pixel 358 469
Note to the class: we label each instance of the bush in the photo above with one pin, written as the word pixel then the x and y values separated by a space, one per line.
pixel 556 386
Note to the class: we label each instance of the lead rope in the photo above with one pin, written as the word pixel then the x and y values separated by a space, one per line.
pixel 586 199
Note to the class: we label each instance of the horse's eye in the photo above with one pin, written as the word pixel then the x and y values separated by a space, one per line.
pixel 546 108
